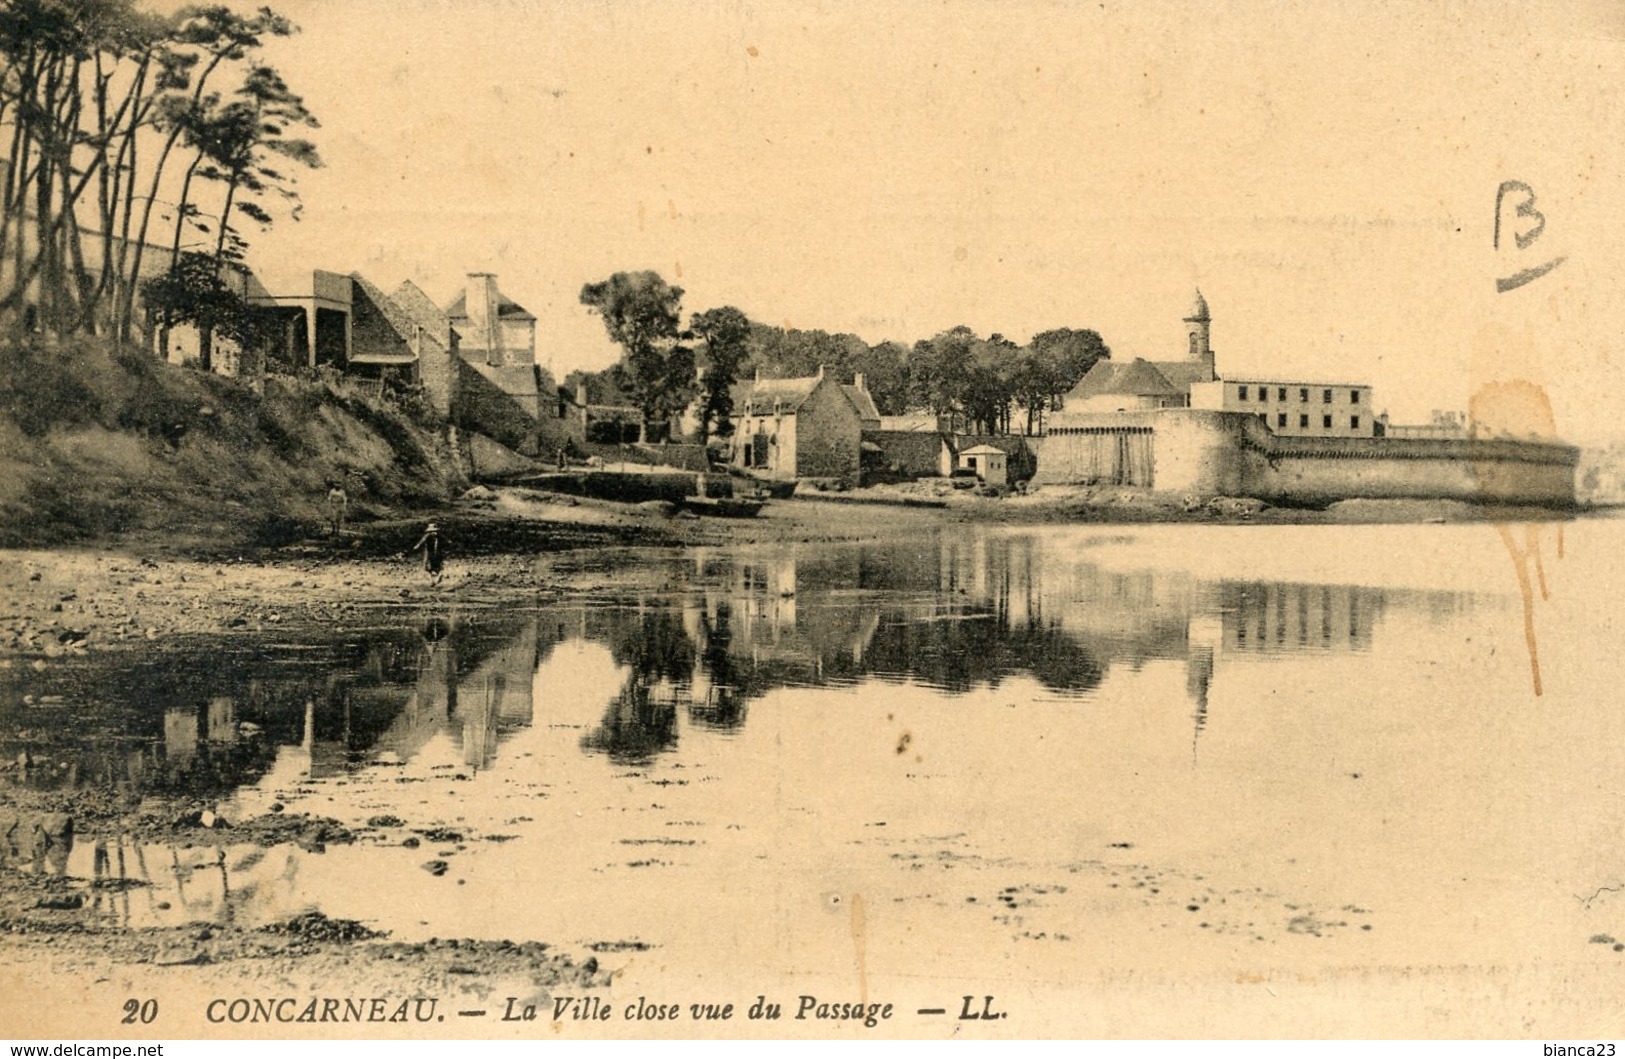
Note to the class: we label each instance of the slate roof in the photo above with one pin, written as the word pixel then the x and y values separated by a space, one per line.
pixel 398 319
pixel 764 396
pixel 1182 373
pixel 423 311
pixel 861 400
pixel 516 380
pixel 1139 378
pixel 913 422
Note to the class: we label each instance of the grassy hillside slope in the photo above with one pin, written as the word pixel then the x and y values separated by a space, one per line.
pixel 95 446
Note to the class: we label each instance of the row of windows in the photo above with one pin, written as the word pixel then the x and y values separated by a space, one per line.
pixel 1303 394
pixel 1303 421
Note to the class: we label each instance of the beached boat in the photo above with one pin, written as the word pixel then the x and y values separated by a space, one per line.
pixel 723 506
pixel 770 488
pixel 774 488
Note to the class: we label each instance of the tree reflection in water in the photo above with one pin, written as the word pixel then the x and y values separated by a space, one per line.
pixel 955 612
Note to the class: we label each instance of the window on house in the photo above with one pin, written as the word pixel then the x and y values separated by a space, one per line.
pixel 1303 394
pixel 1280 420
pixel 1326 421
pixel 1280 393
pixel 1326 397
pixel 1263 393
pixel 1241 393
pixel 1354 422
pixel 1354 397
pixel 1303 422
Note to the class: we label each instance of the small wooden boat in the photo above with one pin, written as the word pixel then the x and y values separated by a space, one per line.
pixel 776 489
pixel 723 506
pixel 771 488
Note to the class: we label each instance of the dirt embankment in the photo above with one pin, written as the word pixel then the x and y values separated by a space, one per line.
pixel 101 448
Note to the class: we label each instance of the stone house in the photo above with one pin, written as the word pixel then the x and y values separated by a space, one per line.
pixel 987 462
pixel 810 427
pixel 1018 463
pixel 493 387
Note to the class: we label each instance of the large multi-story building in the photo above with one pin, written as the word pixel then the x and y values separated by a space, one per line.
pixel 1289 407
pixel 1177 426
pixel 1294 409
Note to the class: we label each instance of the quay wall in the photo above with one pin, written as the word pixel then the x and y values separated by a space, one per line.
pixel 1211 453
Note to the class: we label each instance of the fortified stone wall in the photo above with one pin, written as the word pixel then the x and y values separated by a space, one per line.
pixel 1232 454
pixel 913 453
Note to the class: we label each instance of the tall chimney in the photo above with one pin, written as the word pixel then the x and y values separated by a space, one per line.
pixel 481 304
pixel 860 383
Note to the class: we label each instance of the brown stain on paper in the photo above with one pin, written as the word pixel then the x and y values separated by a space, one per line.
pixel 1518 408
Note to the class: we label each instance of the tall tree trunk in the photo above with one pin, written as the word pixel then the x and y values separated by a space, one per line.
pixel 225 219
pixel 128 311
pixel 180 212
pixel 129 160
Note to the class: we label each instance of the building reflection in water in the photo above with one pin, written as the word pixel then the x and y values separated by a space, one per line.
pixel 965 611
pixel 971 611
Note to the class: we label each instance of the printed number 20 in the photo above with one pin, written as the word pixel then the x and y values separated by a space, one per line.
pixel 144 1010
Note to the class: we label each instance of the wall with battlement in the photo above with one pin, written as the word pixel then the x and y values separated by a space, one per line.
pixel 1210 453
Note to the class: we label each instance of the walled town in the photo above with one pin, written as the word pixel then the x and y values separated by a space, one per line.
pixel 356 628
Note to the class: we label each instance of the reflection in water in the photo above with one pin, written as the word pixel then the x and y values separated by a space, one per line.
pixel 723 630
pixel 688 660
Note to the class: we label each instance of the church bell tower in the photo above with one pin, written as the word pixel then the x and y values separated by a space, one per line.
pixel 1196 326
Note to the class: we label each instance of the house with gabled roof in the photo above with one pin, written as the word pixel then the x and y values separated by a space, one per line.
pixel 1136 386
pixel 436 345
pixel 493 387
pixel 809 427
pixel 1142 385
pixel 501 386
pixel 495 330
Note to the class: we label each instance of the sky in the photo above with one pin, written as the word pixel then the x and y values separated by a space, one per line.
pixel 1327 173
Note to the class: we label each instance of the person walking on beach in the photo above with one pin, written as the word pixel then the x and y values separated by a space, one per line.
pixel 338 503
pixel 434 552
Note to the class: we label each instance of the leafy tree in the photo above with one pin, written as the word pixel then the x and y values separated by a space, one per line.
pixel 95 97
pixel 988 384
pixel 793 353
pixel 940 370
pixel 641 313
pixel 237 143
pixel 195 292
pixel 726 334
pixel 885 370
pixel 1033 383
pixel 1068 355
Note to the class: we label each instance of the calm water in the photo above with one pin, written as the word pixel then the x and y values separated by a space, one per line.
pixel 1034 750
